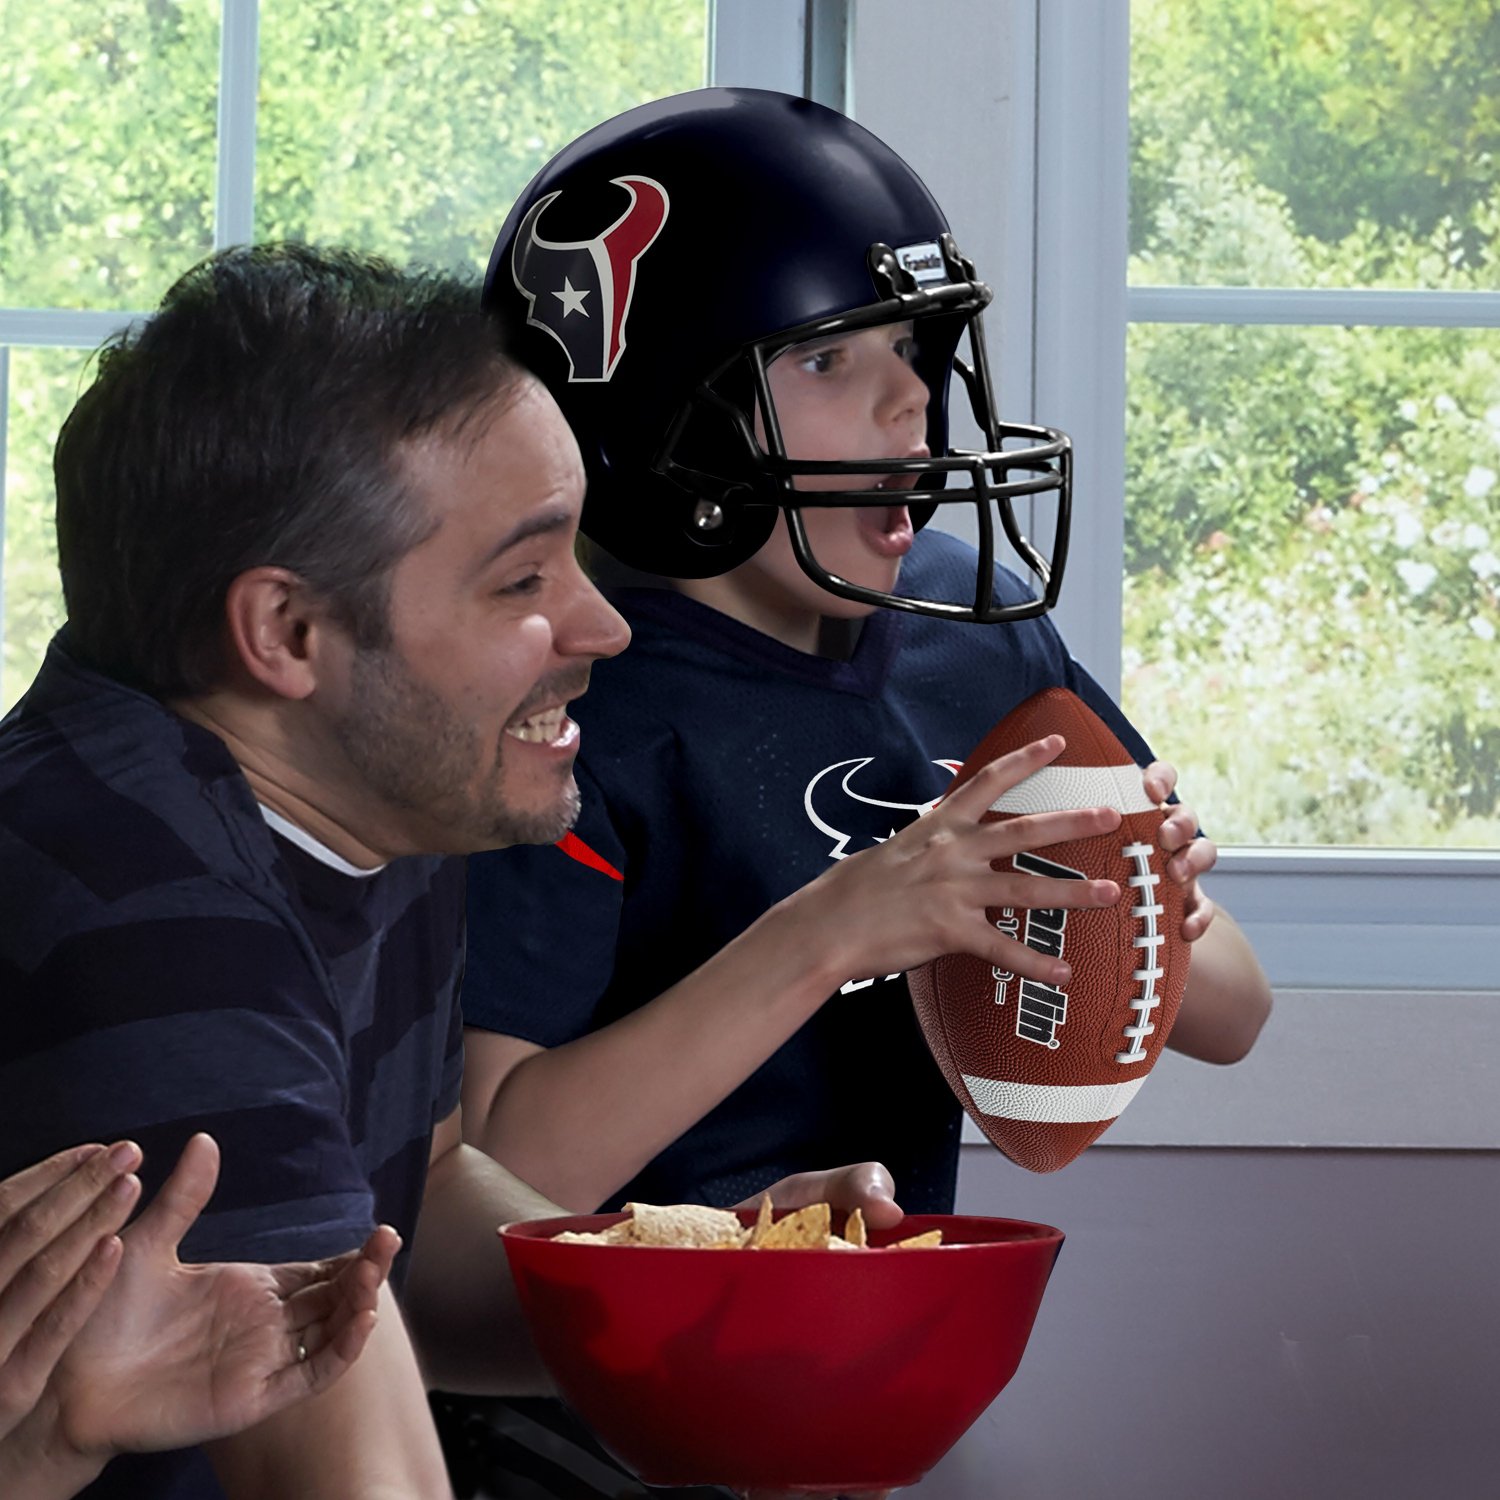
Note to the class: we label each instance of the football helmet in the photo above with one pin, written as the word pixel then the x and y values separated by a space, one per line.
pixel 654 269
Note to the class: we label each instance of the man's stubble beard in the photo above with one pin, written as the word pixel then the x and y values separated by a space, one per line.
pixel 415 754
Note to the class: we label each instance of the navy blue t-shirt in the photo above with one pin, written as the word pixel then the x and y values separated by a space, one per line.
pixel 720 771
pixel 168 965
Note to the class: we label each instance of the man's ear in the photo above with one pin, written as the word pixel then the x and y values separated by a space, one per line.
pixel 276 629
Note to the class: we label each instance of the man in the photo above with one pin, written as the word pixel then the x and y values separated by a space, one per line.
pixel 316 537
pixel 316 542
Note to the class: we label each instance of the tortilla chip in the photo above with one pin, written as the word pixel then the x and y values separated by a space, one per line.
pixel 764 1218
pixel 854 1230
pixel 802 1229
pixel 685 1226
pixel 622 1233
pixel 919 1241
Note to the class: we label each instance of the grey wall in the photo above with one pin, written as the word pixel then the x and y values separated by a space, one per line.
pixel 1249 1325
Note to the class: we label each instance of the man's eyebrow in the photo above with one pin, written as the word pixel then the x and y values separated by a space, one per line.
pixel 541 523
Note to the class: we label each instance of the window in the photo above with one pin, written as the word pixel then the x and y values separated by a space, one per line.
pixel 1035 174
pixel 1312 491
pixel 134 138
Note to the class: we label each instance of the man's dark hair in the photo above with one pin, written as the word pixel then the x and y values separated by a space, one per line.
pixel 254 420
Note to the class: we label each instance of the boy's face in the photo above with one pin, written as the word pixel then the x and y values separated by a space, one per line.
pixel 848 397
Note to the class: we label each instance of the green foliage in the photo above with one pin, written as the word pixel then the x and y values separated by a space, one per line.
pixel 1347 111
pixel 1313 514
pixel 403 128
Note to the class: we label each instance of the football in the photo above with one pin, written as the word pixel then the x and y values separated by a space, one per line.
pixel 1043 1072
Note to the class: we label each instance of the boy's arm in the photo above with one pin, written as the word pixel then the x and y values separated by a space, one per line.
pixel 459 1297
pixel 1228 996
pixel 1227 999
pixel 579 1120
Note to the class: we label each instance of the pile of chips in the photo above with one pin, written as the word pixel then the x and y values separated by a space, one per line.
pixel 691 1226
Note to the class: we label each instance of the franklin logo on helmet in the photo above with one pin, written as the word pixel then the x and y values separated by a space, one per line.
pixel 579 291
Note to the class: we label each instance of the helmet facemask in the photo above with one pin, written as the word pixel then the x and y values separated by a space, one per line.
pixel 713 449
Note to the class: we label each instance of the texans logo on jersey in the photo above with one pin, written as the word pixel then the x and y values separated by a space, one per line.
pixel 855 820
pixel 579 291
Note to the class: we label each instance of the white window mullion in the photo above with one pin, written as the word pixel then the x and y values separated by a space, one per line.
pixel 758 44
pixel 1351 308
pixel 1082 242
pixel 4 429
pixel 239 81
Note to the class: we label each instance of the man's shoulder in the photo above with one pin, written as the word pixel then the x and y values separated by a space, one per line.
pixel 114 810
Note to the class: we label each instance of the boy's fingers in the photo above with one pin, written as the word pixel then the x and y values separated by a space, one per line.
pixel 1039 830
pixel 1011 957
pixel 1198 921
pixel 1000 775
pixel 1046 892
pixel 1160 778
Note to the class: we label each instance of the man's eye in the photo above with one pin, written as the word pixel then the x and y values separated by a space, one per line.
pixel 527 585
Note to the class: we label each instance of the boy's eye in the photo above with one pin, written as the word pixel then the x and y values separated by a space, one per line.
pixel 820 361
pixel 906 348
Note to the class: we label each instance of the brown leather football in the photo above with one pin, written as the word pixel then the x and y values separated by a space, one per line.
pixel 1043 1072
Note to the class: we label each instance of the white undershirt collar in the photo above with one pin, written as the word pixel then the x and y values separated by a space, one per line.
pixel 305 841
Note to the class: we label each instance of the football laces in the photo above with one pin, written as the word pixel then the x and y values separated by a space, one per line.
pixel 1150 939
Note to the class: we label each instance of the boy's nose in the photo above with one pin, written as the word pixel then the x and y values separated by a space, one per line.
pixel 907 395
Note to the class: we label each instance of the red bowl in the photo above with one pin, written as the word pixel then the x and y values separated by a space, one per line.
pixel 790 1369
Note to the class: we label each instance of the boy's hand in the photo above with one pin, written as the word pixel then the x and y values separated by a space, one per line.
pixel 924 892
pixel 866 1186
pixel 1188 856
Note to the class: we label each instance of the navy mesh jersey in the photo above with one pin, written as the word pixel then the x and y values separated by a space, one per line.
pixel 720 771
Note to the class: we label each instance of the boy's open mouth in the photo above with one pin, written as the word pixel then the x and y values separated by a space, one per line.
pixel 887 529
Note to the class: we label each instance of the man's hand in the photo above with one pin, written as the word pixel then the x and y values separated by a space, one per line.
pixel 924 892
pixel 1188 856
pixel 178 1354
pixel 58 1255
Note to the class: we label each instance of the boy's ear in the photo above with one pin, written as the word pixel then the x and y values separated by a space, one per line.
pixel 276 630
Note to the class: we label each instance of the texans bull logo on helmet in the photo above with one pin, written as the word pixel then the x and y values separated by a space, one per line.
pixel 579 291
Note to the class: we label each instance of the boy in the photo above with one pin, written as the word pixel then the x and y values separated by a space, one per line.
pixel 779 304
pixel 749 310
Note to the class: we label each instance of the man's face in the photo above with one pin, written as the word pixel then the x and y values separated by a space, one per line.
pixel 457 730
pixel 848 397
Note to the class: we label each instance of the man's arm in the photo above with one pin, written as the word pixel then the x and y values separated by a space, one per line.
pixel 368 1438
pixel 459 1297
pixel 581 1119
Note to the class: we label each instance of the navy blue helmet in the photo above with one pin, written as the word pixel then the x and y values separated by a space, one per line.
pixel 653 270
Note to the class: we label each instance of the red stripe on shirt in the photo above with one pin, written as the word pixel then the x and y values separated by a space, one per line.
pixel 575 848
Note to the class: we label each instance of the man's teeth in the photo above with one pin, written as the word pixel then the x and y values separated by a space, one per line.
pixel 539 729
